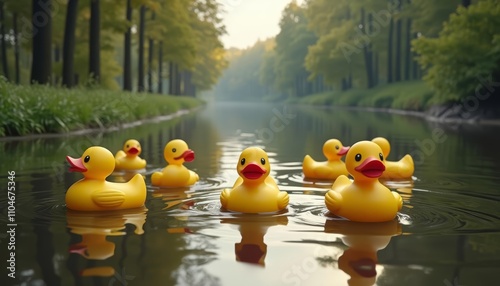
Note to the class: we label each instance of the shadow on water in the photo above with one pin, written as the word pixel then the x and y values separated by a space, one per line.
pixel 446 234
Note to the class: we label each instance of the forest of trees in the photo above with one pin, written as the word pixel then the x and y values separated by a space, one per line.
pixel 347 44
pixel 161 46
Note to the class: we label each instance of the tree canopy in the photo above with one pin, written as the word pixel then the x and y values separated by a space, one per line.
pixel 323 45
pixel 182 33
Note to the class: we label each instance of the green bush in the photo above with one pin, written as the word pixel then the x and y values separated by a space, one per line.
pixel 43 109
pixel 466 53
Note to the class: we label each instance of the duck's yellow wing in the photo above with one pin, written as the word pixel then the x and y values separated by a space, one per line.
pixel 333 198
pixel 108 198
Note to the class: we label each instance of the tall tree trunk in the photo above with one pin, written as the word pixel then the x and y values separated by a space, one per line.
pixel 178 80
pixel 188 83
pixel 16 48
pixel 68 71
pixel 414 61
pixel 5 65
pixel 41 65
pixel 160 66
pixel 408 49
pixel 94 43
pixel 127 46
pixel 390 75
pixel 150 65
pixel 142 21
pixel 398 61
pixel 57 58
pixel 57 53
pixel 366 50
pixel 171 78
pixel 150 60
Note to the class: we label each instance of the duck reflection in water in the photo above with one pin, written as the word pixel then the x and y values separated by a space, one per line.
pixel 363 240
pixel 175 197
pixel 253 228
pixel 94 227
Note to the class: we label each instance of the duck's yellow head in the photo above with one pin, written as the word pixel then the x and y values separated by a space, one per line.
pixel 365 161
pixel 95 163
pixel 132 148
pixel 177 152
pixel 334 150
pixel 384 145
pixel 253 165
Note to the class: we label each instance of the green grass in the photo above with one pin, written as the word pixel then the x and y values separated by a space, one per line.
pixel 43 109
pixel 413 95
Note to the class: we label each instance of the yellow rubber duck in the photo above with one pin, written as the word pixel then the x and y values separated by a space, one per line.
pixel 402 169
pixel 254 191
pixel 327 170
pixel 176 152
pixel 94 193
pixel 365 199
pixel 128 158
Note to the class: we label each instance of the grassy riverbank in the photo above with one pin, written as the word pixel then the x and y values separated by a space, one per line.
pixel 414 95
pixel 42 109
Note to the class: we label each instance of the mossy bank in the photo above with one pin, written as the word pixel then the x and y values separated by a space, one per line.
pixel 414 97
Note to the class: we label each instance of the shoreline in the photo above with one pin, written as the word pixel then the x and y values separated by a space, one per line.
pixel 85 131
pixel 421 114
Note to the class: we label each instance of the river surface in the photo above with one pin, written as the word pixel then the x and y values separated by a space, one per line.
pixel 447 233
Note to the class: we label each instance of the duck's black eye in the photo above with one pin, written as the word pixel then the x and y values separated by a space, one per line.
pixel 128 146
pixel 174 150
pixel 242 162
pixel 337 147
pixel 86 159
pixel 357 157
pixel 262 161
pixel 381 157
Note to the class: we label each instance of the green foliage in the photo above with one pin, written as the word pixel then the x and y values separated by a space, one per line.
pixel 210 60
pixel 291 48
pixel 468 49
pixel 429 16
pixel 43 109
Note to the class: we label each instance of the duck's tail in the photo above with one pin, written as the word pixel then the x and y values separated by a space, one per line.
pixel 407 165
pixel 138 182
pixel 120 154
pixel 307 166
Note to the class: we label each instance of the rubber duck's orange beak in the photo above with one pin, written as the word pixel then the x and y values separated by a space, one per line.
pixel 253 171
pixel 76 164
pixel 188 156
pixel 133 151
pixel 343 150
pixel 364 267
pixel 371 168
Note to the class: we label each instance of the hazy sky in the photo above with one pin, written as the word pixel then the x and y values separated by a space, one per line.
pixel 249 20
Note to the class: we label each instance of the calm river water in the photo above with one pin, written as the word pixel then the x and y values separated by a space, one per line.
pixel 448 232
